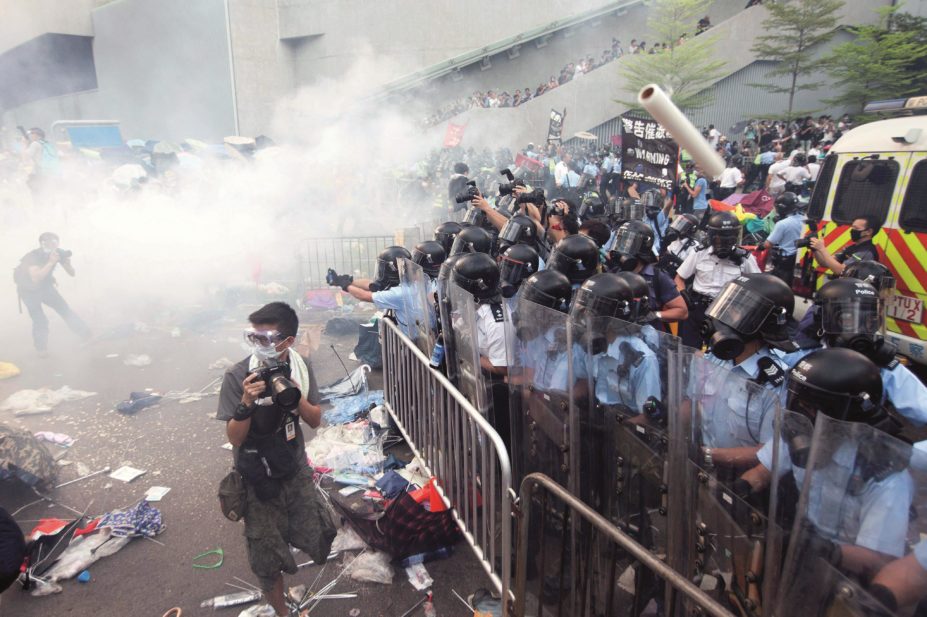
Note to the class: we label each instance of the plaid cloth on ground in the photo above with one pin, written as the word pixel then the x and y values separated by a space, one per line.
pixel 405 528
pixel 142 519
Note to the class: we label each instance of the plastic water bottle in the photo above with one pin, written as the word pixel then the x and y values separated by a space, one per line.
pixel 231 599
pixel 429 607
pixel 437 353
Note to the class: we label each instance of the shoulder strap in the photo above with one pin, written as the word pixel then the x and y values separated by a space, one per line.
pixel 497 313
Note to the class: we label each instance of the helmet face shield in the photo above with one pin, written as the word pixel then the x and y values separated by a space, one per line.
pixel 387 272
pixel 851 316
pixel 681 225
pixel 512 232
pixel 809 400
pixel 741 309
pixel 513 271
pixel 628 241
pixel 588 305
pixel 724 239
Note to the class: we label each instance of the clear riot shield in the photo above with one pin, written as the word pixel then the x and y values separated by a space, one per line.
pixel 856 545
pixel 619 402
pixel 539 392
pixel 447 329
pixel 419 307
pixel 471 380
pixel 720 422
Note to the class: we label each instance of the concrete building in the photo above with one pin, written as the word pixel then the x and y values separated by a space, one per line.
pixel 208 68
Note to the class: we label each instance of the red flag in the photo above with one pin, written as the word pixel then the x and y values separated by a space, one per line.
pixel 527 163
pixel 454 134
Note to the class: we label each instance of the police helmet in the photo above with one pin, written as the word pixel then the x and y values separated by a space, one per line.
pixel 429 255
pixel 387 266
pixel 876 274
pixel 519 229
pixel 786 204
pixel 575 256
pixel 477 274
pixel 682 227
pixel 634 242
pixel 475 216
pixel 602 295
pixel 723 233
pixel 629 209
pixel 591 206
pixel 652 201
pixel 472 239
pixel 752 306
pixel 518 262
pixel 640 290
pixel 548 288
pixel 840 383
pixel 848 313
pixel 445 234
pixel 444 274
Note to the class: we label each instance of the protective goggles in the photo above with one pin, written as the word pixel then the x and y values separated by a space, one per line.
pixel 263 338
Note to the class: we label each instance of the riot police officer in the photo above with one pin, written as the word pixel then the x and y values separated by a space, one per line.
pixel 679 242
pixel 576 257
pixel 472 239
pixel 781 242
pixel 520 229
pixel 634 251
pixel 479 275
pixel 655 213
pixel 383 290
pixel 847 313
pixel 445 234
pixel 743 324
pixel 548 288
pixel 429 254
pixel 711 269
pixel 517 263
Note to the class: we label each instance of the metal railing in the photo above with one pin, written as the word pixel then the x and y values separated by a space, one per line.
pixel 458 446
pixel 356 256
pixel 676 582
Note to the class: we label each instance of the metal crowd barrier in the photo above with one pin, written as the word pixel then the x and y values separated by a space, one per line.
pixel 676 582
pixel 458 446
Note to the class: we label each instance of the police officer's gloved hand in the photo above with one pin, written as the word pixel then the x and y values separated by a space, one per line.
pixel 344 280
pixel 825 548
pixel 330 277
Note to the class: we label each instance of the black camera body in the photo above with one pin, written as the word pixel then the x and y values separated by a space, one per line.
pixel 805 242
pixel 535 197
pixel 278 385
pixel 506 189
pixel 468 193
pixel 64 254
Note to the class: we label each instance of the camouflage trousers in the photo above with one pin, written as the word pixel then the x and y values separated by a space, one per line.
pixel 297 517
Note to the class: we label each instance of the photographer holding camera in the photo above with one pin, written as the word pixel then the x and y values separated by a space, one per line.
pixel 35 285
pixel 860 248
pixel 262 400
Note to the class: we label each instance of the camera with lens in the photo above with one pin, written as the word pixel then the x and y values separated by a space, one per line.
pixel 506 189
pixel 275 374
pixel 805 242
pixel 468 193
pixel 64 255
pixel 535 197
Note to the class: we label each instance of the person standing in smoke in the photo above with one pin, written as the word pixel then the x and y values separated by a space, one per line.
pixel 35 285
pixel 40 159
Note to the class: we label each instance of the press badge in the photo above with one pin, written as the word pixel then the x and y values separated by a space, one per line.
pixel 290 430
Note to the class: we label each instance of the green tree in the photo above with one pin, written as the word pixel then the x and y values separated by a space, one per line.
pixel 885 61
pixel 687 67
pixel 794 27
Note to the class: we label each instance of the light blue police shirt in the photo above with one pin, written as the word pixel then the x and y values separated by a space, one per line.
pixel 786 232
pixel 633 389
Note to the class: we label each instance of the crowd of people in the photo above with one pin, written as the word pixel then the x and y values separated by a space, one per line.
pixel 620 272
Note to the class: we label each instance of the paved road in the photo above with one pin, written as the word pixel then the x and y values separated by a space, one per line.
pixel 179 446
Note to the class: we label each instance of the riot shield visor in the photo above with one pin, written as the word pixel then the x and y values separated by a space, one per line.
pixel 740 309
pixel 630 210
pixel 851 316
pixel 682 225
pixel 474 216
pixel 513 271
pixel 418 305
pixel 721 239
pixel 471 380
pixel 588 305
pixel 387 274
pixel 513 231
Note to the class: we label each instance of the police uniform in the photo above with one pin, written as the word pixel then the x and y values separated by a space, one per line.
pixel 392 300
pixel 875 517
pixel 783 238
pixel 861 251
pixel 627 373
pixel 733 414
pixel 659 228
pixel 711 274
pixel 490 333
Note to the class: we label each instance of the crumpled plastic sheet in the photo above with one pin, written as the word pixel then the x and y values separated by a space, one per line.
pixel 44 588
pixel 347 540
pixel 83 552
pixel 349 408
pixel 25 402
pixel 348 447
pixel 372 567
pixel 258 610
pixel 349 385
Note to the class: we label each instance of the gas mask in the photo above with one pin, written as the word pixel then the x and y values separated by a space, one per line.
pixel 877 349
pixel 723 341
pixel 652 211
pixel 627 263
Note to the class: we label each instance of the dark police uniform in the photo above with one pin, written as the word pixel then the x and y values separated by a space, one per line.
pixel 861 251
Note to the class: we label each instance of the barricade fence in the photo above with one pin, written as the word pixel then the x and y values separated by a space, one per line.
pixel 458 447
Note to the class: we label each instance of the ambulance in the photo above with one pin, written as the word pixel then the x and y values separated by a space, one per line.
pixel 880 168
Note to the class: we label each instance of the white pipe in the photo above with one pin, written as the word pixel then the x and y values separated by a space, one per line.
pixel 658 104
